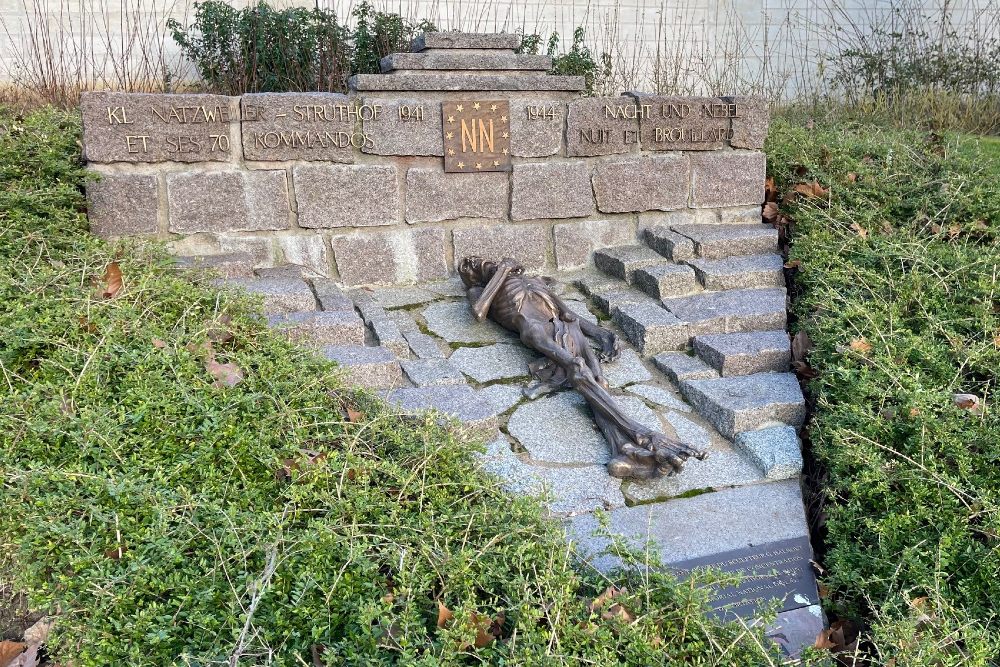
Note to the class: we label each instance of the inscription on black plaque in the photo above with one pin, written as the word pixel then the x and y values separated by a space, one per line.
pixel 476 136
pixel 777 570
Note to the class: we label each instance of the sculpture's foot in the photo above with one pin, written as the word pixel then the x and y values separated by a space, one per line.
pixel 647 454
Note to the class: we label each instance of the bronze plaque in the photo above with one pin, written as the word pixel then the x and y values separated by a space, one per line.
pixel 476 135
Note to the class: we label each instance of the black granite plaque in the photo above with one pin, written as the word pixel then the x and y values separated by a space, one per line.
pixel 777 570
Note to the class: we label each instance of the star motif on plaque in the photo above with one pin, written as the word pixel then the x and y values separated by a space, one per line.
pixel 476 136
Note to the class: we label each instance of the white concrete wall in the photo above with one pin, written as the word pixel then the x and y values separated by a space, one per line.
pixel 686 46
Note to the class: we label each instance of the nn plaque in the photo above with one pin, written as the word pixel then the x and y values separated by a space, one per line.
pixel 476 136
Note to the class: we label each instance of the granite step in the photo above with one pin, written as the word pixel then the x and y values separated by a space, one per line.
pixel 650 327
pixel 665 280
pixel 460 402
pixel 369 367
pixel 776 451
pixel 280 295
pixel 734 405
pixel 729 240
pixel 739 272
pixel 679 366
pixel 731 311
pixel 331 297
pixel 326 328
pixel 744 353
pixel 385 330
pixel 436 61
pixel 227 265
pixel 621 261
pixel 668 243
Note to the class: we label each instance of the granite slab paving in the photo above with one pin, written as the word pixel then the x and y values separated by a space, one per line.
pixel 502 396
pixel 458 401
pixel 660 396
pixel 401 297
pixel 327 328
pixel 423 345
pixel 431 372
pixel 453 322
pixel 493 362
pixel 627 369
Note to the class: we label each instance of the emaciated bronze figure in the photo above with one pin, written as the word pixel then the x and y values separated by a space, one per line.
pixel 527 306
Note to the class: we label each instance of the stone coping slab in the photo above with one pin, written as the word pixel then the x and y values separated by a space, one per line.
pixel 466 82
pixel 436 61
pixel 465 40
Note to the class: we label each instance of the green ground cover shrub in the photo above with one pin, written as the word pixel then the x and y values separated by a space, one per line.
pixel 897 288
pixel 166 519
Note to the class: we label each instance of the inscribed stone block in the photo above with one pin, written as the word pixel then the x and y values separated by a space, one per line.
pixel 684 123
pixel 602 126
pixel 536 127
pixel 402 127
pixel 750 123
pixel 299 126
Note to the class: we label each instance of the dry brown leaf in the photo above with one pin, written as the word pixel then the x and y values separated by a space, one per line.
pixel 317 651
pixel 794 264
pixel 354 416
pixel 9 651
pixel 804 370
pixel 914 412
pixel 487 630
pixel 996 340
pixel 824 591
pixel 852 177
pixel 823 640
pixel 919 603
pixel 159 344
pixel 801 346
pixel 112 281
pixel 810 124
pixel 770 212
pixel 610 593
pixel 618 611
pixel 861 345
pixel 954 231
pixel 770 190
pixel 444 614
pixel 811 190
pixel 219 331
pixel 859 230
pixel 969 402
pixel 226 375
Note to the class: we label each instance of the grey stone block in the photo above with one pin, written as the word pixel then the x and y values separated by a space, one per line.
pixel 368 367
pixel 307 251
pixel 730 240
pixel 459 402
pixel 143 127
pixel 601 126
pixel 745 353
pixel 622 261
pixel 642 184
pixel 551 190
pixel 667 243
pixel 282 271
pixel 431 372
pixel 684 123
pixel 406 126
pixel 609 301
pixel 402 296
pixel 452 286
pixel 731 311
pixel 391 257
pixel 404 321
pixel 331 297
pixel 528 244
pixel 227 265
pixel 327 328
pixel 464 82
pixel 650 327
pixel 346 195
pixel 664 280
pixel 679 366
pixel 727 178
pixel 580 308
pixel 281 295
pixel 493 362
pixel 123 204
pixel 475 60
pixel 661 396
pixel 299 126
pixel 422 345
pixel 591 282
pixel 704 525
pixel 385 330
pixel 747 402
pixel 575 242
pixel 432 195
pixel 453 321
pixel 775 450
pixel 502 396
pixel 227 201
pixel 797 629
pixel 449 39
pixel 740 272
pixel 742 215
pixel 749 126
pixel 536 127
pixel 627 369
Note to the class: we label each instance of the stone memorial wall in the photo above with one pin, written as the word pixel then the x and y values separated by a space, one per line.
pixel 461 147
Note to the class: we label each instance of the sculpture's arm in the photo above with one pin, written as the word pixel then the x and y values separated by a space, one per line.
pixel 481 307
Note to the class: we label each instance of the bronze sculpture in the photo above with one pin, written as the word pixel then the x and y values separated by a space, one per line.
pixel 527 306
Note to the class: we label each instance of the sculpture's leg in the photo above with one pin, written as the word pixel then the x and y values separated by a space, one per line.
pixel 611 347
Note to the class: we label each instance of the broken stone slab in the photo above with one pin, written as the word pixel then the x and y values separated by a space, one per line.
pixel 368 367
pixel 776 450
pixel 665 280
pixel 281 295
pixel 454 322
pixel 638 184
pixel 459 402
pixel 679 366
pixel 560 428
pixel 569 490
pixel 744 272
pixel 493 362
pixel 731 311
pixel 327 328
pixel 401 297
pixel 424 346
pixel 468 82
pixel 703 525
pixel 747 402
pixel 667 243
pixel 404 321
pixel 502 396
pixel 331 297
pixel 660 396
pixel 437 61
pixel 383 328
pixel 622 261
pixel 627 369
pixel 123 205
pixel 449 39
pixel 431 372
pixel 724 467
pixel 650 327
pixel 729 240
pixel 745 353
